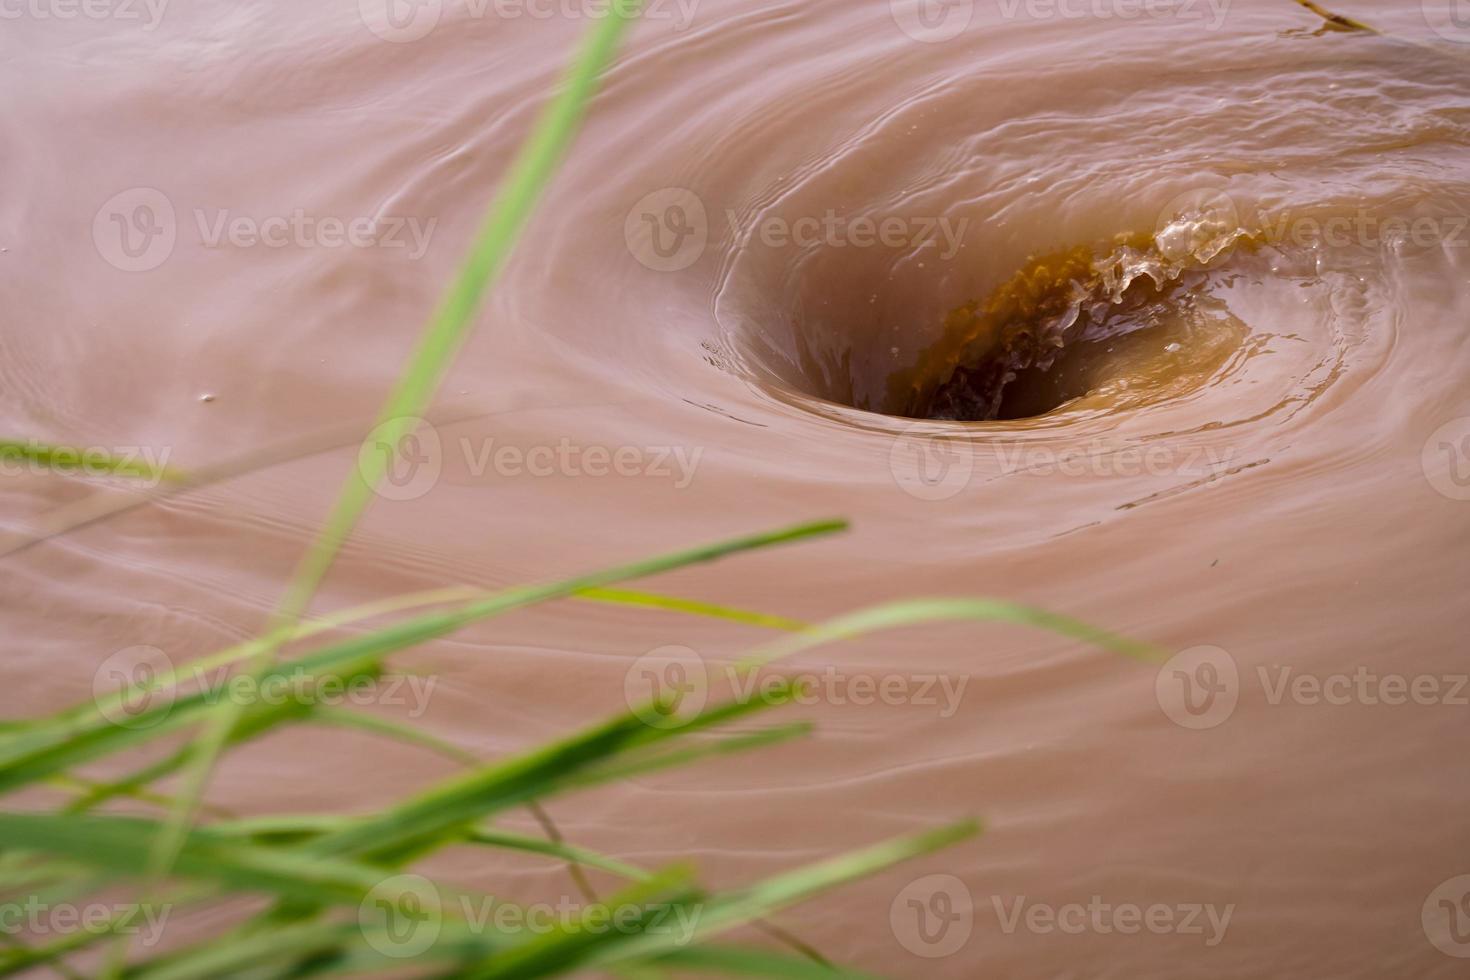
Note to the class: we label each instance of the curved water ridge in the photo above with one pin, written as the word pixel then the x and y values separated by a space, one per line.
pixel 1155 320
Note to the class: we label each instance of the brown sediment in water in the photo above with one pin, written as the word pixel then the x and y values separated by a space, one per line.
pixel 1053 301
pixel 1286 495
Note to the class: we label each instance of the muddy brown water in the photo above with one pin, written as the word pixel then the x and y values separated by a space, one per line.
pixel 223 225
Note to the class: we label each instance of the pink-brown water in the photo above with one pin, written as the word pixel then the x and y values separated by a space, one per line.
pixel 223 226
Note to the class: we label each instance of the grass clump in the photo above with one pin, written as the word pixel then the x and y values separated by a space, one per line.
pixel 328 894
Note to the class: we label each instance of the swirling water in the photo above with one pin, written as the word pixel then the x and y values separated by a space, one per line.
pixel 717 323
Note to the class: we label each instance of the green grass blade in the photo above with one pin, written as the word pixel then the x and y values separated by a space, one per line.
pixel 161 719
pixel 463 801
pixel 908 612
pixel 649 600
pixel 31 756
pixel 725 912
pixel 386 727
pixel 508 212
pixel 494 837
pixel 92 462
pixel 429 626
pixel 642 764
pixel 119 846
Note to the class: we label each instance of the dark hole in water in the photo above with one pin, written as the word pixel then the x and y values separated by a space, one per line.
pixel 1064 325
pixel 1003 389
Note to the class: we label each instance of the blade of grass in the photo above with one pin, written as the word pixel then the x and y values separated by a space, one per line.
pixel 161 719
pixel 33 756
pixel 119 845
pixel 908 612
pixel 494 837
pixel 648 600
pixel 724 912
pixel 71 459
pixel 93 714
pixel 642 764
pixel 567 949
pixel 462 801
pixel 420 378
